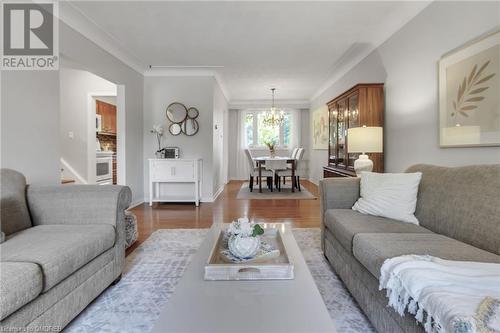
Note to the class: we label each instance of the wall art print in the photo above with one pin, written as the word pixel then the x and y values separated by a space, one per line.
pixel 469 94
pixel 320 128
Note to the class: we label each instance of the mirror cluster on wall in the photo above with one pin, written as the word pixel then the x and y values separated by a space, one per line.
pixel 182 119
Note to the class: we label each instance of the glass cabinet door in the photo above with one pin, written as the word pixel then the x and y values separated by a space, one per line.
pixel 332 148
pixel 353 121
pixel 341 132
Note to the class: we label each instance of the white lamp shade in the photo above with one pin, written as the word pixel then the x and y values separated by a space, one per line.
pixel 365 140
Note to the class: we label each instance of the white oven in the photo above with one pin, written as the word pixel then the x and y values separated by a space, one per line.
pixel 104 170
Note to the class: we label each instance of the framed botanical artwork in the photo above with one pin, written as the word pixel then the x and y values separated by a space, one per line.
pixel 320 128
pixel 469 94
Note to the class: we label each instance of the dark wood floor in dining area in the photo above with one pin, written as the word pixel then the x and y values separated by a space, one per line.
pixel 299 213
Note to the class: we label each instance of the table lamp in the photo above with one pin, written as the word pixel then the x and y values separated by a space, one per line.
pixel 364 140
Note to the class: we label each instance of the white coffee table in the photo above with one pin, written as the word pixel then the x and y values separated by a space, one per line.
pixel 245 306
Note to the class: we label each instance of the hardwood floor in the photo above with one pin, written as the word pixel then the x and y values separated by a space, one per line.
pixel 299 213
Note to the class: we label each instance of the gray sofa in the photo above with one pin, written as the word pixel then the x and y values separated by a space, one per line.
pixel 63 246
pixel 459 214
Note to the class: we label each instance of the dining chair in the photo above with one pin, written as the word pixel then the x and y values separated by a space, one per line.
pixel 276 165
pixel 293 155
pixel 288 172
pixel 254 172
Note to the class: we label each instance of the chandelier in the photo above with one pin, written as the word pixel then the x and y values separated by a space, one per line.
pixel 273 116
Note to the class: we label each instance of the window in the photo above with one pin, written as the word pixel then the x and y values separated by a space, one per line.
pixel 249 128
pixel 257 133
pixel 267 133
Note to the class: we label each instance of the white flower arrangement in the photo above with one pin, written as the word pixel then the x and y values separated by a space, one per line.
pixel 243 228
pixel 244 240
pixel 158 130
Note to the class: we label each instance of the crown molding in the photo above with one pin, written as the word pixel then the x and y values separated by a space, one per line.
pixel 189 72
pixel 342 70
pixel 223 86
pixel 265 103
pixel 166 72
pixel 76 19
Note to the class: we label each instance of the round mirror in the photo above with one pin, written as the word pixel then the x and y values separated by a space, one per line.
pixel 175 129
pixel 176 112
pixel 190 127
pixel 193 113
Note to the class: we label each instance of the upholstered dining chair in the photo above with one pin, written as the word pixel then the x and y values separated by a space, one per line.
pixel 288 172
pixel 254 172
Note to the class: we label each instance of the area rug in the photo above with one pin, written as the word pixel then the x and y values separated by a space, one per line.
pixel 155 267
pixel 285 193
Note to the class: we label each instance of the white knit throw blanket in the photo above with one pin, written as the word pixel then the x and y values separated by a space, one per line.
pixel 445 296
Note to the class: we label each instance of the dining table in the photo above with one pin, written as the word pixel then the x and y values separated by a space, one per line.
pixel 261 160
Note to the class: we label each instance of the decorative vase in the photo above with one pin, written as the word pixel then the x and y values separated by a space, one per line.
pixel 159 154
pixel 272 153
pixel 243 247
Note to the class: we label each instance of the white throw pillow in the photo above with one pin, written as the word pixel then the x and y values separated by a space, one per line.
pixel 391 195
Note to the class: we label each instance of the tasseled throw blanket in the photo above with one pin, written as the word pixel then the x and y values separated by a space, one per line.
pixel 445 296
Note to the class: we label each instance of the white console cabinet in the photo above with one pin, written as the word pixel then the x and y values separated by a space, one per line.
pixel 174 171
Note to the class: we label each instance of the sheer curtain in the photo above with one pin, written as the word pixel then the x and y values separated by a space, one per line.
pixel 242 169
pixel 295 129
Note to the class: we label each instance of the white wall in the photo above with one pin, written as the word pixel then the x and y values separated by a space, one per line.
pixel 305 142
pixel 232 133
pixel 30 112
pixel 75 87
pixel 407 64
pixel 219 153
pixel 30 124
pixel 197 92
pixel 86 55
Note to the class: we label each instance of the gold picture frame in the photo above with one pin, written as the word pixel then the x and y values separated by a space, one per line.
pixel 469 94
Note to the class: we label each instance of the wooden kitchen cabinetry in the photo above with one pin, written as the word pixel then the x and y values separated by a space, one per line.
pixel 108 117
pixel 361 105
pixel 115 174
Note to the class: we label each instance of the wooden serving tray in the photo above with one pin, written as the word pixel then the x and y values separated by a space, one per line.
pixel 277 268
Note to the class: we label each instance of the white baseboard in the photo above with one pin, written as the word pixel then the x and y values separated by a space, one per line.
pixel 235 178
pixel 72 171
pixel 135 204
pixel 219 191
pixel 214 197
pixel 202 199
pixel 314 181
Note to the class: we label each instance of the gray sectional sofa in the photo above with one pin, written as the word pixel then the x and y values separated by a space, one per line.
pixel 62 246
pixel 459 214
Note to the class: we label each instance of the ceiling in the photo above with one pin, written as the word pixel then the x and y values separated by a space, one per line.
pixel 293 46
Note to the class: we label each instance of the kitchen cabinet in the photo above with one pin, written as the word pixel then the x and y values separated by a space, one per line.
pixel 108 117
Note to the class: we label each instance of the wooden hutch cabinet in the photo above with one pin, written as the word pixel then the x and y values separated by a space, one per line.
pixel 361 105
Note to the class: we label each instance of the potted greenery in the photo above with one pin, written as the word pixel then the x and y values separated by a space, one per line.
pixel 271 144
pixel 244 238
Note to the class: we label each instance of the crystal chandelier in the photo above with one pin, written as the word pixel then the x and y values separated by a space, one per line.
pixel 273 116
